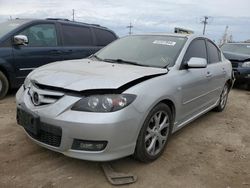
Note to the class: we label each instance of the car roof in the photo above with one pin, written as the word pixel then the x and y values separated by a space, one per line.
pixel 61 20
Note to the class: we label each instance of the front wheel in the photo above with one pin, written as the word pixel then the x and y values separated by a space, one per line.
pixel 223 99
pixel 154 134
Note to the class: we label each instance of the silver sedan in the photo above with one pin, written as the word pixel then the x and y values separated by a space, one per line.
pixel 127 99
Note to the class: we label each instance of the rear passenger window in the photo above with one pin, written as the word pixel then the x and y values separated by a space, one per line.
pixel 213 53
pixel 76 36
pixel 103 37
pixel 196 49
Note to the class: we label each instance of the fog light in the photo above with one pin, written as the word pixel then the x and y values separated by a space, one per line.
pixel 86 145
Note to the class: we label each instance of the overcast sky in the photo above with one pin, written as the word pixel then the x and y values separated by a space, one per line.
pixel 145 15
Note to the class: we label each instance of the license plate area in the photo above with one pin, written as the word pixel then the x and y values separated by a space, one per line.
pixel 28 120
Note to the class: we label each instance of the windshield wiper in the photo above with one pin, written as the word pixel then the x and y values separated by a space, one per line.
pixel 166 66
pixel 124 62
pixel 96 57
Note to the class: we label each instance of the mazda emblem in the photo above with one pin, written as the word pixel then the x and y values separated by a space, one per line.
pixel 36 98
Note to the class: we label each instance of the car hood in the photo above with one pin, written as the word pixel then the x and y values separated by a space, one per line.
pixel 236 56
pixel 86 74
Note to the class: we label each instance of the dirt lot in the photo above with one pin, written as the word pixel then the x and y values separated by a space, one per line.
pixel 213 151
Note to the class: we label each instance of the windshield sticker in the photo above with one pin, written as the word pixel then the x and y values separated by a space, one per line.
pixel 163 42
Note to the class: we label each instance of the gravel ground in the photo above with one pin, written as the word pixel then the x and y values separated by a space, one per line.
pixel 213 151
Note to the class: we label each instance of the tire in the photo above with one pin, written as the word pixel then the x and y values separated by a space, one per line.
pixel 4 85
pixel 223 99
pixel 148 151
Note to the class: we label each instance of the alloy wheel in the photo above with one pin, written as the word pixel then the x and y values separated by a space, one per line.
pixel 157 133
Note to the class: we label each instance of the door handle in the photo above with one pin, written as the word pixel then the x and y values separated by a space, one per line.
pixel 209 74
pixel 68 51
pixel 55 52
pixel 224 71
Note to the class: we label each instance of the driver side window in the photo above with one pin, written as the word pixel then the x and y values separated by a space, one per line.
pixel 197 48
pixel 41 35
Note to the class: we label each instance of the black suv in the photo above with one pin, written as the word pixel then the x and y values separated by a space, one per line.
pixel 27 44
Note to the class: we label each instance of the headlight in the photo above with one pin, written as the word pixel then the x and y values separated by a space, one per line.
pixel 27 82
pixel 104 103
pixel 246 64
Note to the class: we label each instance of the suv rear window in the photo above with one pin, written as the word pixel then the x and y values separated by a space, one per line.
pixel 103 37
pixel 76 35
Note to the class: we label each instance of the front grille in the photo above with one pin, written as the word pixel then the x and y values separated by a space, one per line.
pixel 40 96
pixel 48 134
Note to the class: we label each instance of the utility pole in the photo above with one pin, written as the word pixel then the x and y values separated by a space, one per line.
pixel 130 28
pixel 205 23
pixel 73 15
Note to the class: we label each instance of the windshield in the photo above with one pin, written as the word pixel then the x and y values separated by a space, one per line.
pixel 8 26
pixel 147 50
pixel 237 48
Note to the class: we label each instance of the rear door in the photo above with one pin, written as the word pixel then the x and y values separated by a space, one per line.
pixel 216 69
pixel 43 48
pixel 78 41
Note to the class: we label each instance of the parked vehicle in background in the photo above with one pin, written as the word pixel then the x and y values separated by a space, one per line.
pixel 27 44
pixel 239 55
pixel 127 99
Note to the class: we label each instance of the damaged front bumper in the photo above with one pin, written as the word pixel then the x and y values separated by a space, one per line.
pixel 71 133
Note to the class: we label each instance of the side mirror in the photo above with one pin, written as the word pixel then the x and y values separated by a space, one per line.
pixel 196 62
pixel 21 40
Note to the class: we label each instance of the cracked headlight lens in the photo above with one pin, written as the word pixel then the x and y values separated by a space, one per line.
pixel 104 103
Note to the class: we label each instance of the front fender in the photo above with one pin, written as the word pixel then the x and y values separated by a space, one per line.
pixel 151 92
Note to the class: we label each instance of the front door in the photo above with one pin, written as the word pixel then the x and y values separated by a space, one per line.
pixel 43 48
pixel 193 83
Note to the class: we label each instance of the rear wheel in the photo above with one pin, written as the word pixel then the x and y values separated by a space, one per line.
pixel 154 134
pixel 223 98
pixel 4 85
